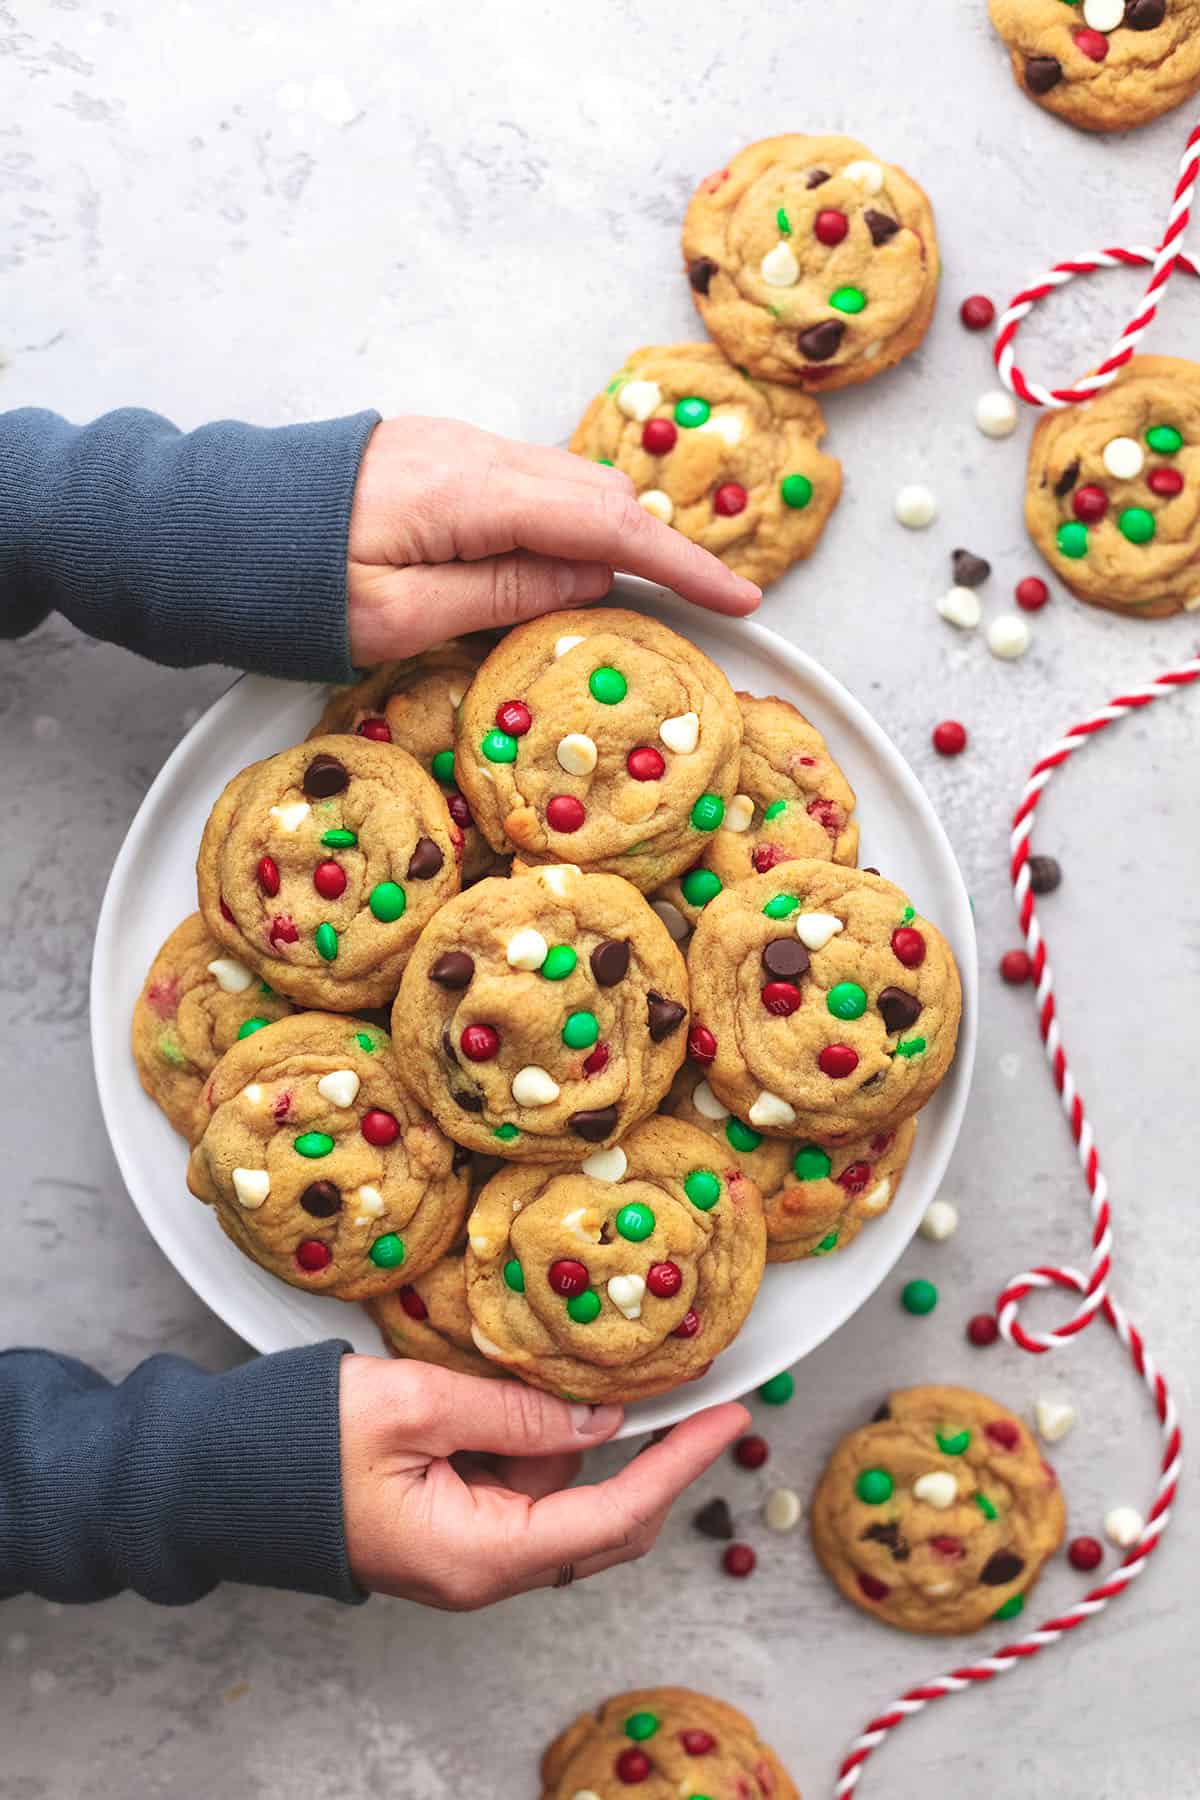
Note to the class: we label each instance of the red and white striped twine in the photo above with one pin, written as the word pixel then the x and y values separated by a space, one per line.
pixel 1162 262
pixel 1092 1289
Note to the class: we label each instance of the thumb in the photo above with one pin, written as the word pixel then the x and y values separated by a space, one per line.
pixel 395 612
pixel 439 1412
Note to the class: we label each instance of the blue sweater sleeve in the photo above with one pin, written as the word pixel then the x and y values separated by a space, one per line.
pixel 174 1480
pixel 226 544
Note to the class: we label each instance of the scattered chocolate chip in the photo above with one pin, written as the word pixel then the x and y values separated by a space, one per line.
pixel 700 273
pixel 1042 73
pixel 785 958
pixel 469 1100
pixel 816 177
pixel 594 1124
pixel 880 225
pixel 453 970
pixel 1144 15
pixel 324 777
pixel 448 1046
pixel 870 871
pixel 882 1411
pixel 610 961
pixel 897 1009
pixel 322 1199
pixel 425 860
pixel 714 1519
pixel 1066 480
pixel 606 1232
pixel 664 1017
pixel 969 570
pixel 822 341
pixel 460 1159
pixel 1004 1566
pixel 890 1536
pixel 1045 874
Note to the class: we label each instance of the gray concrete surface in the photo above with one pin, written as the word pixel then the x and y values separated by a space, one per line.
pixel 279 212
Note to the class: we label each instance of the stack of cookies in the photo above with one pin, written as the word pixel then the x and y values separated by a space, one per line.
pixel 568 1149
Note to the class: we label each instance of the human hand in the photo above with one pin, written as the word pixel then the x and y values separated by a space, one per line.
pixel 454 529
pixel 461 1534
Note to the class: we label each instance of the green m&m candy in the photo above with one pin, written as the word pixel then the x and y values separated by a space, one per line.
pixel 443 767
pixel 779 1390
pixel 874 1487
pixel 1012 1606
pixel 742 1137
pixel 796 491
pixel 250 1026
pixel 499 747
pixel 1165 439
pixel 387 1252
pixel 339 839
pixel 326 940
pixel 773 811
pixel 559 963
pixel 641 1725
pixel 584 1308
pixel 985 1506
pixel 708 812
pixel 1137 524
pixel 811 1163
pixel 1072 539
pixel 580 1031
pixel 608 686
pixel 387 902
pixel 702 1188
pixel 700 886
pixel 782 906
pixel 635 1222
pixel 826 1244
pixel 918 1297
pixel 953 1443
pixel 514 1276
pixel 846 1000
pixel 506 1132
pixel 313 1144
pixel 692 411
pixel 848 299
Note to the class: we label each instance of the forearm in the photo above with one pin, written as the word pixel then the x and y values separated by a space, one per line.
pixel 227 544
pixel 172 1481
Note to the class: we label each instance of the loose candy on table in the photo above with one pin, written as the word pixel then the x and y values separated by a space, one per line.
pixel 1008 637
pixel 996 413
pixel 918 1297
pixel 739 1560
pixel 1123 1526
pixel 982 1330
pixel 977 312
pixel 1031 593
pixel 1054 1418
pixel 751 1451
pixel 783 1509
pixel 915 506
pixel 1045 874
pixel 779 1389
pixel 949 737
pixel 1016 967
pixel 970 571
pixel 961 607
pixel 714 1520
pixel 940 1221
pixel 1085 1554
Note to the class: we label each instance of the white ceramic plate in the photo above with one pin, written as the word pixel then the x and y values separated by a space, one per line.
pixel 152 888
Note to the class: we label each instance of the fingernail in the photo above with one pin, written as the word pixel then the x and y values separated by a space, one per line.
pixel 746 590
pixel 566 581
pixel 595 1421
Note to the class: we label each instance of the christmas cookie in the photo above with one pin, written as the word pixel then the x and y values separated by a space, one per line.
pixel 1104 64
pixel 319 1167
pixel 620 1278
pixel 427 1320
pixel 195 1002
pixel 938 1515
pixel 732 463
pixel 666 1742
pixel 792 800
pixel 413 704
pixel 816 1200
pixel 542 1016
pixel 1112 499
pixel 319 867
pixel 600 738
pixel 827 1007
pixel 810 261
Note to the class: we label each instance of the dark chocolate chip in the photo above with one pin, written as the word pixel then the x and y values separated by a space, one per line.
pixel 322 1199
pixel 1066 480
pixel 882 1411
pixel 1045 874
pixel 714 1519
pixel 1042 73
pixel 869 871
pixel 897 1009
pixel 448 1046
pixel 453 970
pixel 969 570
pixel 610 961
pixel 785 958
pixel 469 1100
pixel 880 225
pixel 606 1232
pixel 663 1016
pixel 1004 1566
pixel 891 1536
pixel 425 860
pixel 460 1159
pixel 594 1124
pixel 1144 15
pixel 822 341
pixel 700 273
pixel 817 178
pixel 324 777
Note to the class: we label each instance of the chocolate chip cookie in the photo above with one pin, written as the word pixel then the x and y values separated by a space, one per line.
pixel 1112 498
pixel 620 1278
pixel 829 1008
pixel 667 1742
pixel 542 1016
pixel 812 262
pixel 320 866
pixel 939 1514
pixel 427 1320
pixel 321 1170
pixel 601 738
pixel 195 1002
pixel 731 463
pixel 1106 65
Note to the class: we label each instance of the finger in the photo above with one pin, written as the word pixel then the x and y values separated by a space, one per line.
pixel 537 1476
pixel 565 465
pixel 440 1413
pixel 609 1559
pixel 417 439
pixel 394 617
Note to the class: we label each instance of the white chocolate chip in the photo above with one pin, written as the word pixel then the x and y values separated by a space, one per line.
pixel 456 693
pixel 606 1165
pixel 582 1224
pixel 658 503
pixel 938 1488
pixel 1123 458
pixel 253 1093
pixel 782 1510
pixel 484 1344
pixel 370 1203
pixel 1123 1526
pixel 816 928
pixel 961 607
pixel 1008 636
pixel 725 425
pixel 936 1589
pixel 291 816
pixel 671 917
pixel 779 267
pixel 877 1200
pixel 1053 1418
pixel 638 399
pixel 251 1187
pixel 1192 605
pixel 576 753
pixel 940 1221
pixel 706 1102
pixel 340 1087
pixel 915 506
pixel 769 1109
pixel 231 976
pixel 681 734
pixel 866 175
pixel 480 1244
pixel 738 813
pixel 626 1293
pixel 526 949
pixel 563 644
pixel 1104 15
pixel 996 413
pixel 532 1086
pixel 585 1794
pixel 559 878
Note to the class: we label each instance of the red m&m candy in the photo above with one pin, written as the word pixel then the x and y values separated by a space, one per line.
pixel 378 730
pixel 329 879
pixel 568 1277
pixel 739 1560
pixel 982 1330
pixel 855 1177
pixel 697 1743
pixel 702 1045
pixel 1016 967
pixel 977 312
pixel 751 1451
pixel 1092 43
pixel 313 1256
pixel 1165 482
pixel 645 763
pixel 514 717
pixel 413 1304
pixel 780 998
pixel 689 1325
pixel 658 436
pixel 1032 593
pixel 479 1042
pixel 565 813
pixel 632 1766
pixel 838 1061
pixel 949 738
pixel 872 1588
pixel 664 1279
pixel 729 499
pixel 380 1128
pixel 267 874
pixel 1085 1554
pixel 830 226
pixel 598 1060
pixel 908 947
pixel 1089 503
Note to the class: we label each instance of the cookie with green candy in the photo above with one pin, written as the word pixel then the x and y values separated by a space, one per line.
pixel 731 463
pixel 427 1320
pixel 195 1002
pixel 600 738
pixel 619 1278
pixel 675 1741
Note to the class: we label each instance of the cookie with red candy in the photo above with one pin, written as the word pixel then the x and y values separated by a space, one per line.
pixel 1105 65
pixel 664 1743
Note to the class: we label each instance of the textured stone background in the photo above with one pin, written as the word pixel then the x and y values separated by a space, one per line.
pixel 279 212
